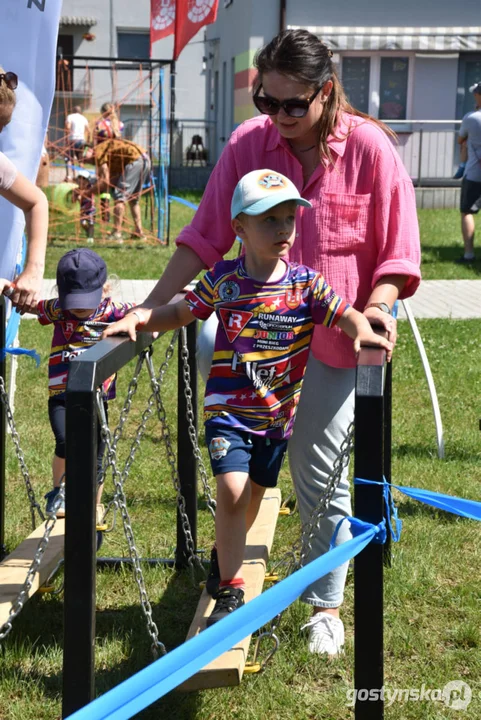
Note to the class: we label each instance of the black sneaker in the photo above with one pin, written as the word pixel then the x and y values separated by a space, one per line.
pixel 227 599
pixel 465 261
pixel 213 578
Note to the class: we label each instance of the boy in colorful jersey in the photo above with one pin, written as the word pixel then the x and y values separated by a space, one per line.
pixel 267 309
pixel 79 315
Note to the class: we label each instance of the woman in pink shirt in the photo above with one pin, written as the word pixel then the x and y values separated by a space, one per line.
pixel 362 233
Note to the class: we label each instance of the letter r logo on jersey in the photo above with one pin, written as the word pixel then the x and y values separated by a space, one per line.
pixel 234 321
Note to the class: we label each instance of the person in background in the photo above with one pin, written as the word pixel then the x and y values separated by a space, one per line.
pixel 83 195
pixel 125 167
pixel 470 136
pixel 77 131
pixel 107 127
pixel 362 234
pixel 15 188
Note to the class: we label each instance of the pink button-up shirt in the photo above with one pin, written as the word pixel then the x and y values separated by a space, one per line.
pixel 362 226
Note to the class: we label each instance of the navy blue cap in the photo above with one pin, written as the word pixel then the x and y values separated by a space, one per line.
pixel 81 276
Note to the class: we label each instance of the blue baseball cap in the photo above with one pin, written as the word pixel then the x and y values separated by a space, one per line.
pixel 260 190
pixel 81 276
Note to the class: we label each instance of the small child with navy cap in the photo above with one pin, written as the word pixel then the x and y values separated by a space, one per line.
pixel 267 308
pixel 79 315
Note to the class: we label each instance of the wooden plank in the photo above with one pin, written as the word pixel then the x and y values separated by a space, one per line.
pixel 228 669
pixel 14 568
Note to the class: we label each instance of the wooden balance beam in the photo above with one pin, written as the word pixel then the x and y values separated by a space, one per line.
pixel 228 669
pixel 14 568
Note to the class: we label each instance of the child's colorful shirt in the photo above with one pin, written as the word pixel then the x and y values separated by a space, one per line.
pixel 72 336
pixel 262 343
pixel 87 205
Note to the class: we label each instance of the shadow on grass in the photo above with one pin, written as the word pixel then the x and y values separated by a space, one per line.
pixel 39 630
pixel 434 254
pixel 451 454
pixel 413 508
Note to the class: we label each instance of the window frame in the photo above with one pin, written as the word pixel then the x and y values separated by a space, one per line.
pixel 131 31
pixel 375 76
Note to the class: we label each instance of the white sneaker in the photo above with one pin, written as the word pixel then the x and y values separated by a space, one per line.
pixel 326 634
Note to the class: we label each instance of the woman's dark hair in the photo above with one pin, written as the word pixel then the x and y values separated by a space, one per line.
pixel 302 57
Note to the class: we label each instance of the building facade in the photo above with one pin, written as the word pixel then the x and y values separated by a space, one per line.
pixel 406 63
pixel 95 33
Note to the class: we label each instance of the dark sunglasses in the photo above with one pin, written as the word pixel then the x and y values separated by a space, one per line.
pixel 294 107
pixel 10 80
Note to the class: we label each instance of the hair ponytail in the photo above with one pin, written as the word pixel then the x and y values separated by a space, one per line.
pixel 302 57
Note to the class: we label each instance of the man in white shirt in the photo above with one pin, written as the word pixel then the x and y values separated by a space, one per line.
pixel 77 131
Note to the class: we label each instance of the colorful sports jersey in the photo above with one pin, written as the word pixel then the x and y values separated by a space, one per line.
pixel 262 343
pixel 72 336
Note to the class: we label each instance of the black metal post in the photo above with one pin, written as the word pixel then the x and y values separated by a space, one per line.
pixel 368 565
pixel 3 426
pixel 186 462
pixel 387 453
pixel 80 539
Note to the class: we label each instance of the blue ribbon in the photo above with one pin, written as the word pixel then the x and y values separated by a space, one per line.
pixel 458 506
pixel 14 320
pixel 394 523
pixel 159 678
pixel 182 201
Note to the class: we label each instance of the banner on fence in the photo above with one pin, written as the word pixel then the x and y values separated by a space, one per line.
pixel 28 41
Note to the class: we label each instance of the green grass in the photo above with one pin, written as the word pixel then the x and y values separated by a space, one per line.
pixel 432 594
pixel 440 241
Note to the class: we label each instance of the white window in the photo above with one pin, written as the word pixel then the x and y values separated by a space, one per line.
pixel 380 84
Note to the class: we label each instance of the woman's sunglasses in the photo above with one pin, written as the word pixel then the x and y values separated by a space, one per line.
pixel 294 107
pixel 10 80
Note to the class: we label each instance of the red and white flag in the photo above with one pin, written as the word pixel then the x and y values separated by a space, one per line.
pixel 190 16
pixel 162 20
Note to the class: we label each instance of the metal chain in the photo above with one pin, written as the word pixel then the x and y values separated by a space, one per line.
pixel 192 558
pixel 211 503
pixel 22 597
pixel 152 629
pixel 341 462
pixel 20 456
pixel 295 558
pixel 132 389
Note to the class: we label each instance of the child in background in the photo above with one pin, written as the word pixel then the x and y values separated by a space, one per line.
pixel 87 203
pixel 79 315
pixel 267 310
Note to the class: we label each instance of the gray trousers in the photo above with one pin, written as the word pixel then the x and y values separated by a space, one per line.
pixel 325 411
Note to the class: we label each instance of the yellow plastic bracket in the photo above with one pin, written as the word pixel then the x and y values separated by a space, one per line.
pixel 271 577
pixel 284 511
pixel 46 589
pixel 252 667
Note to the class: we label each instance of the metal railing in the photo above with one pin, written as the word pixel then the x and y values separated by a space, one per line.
pixel 428 149
pixel 86 374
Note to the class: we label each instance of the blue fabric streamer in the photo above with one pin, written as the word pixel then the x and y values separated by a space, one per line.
pixel 14 320
pixel 154 681
pixel 182 201
pixel 458 506
pixel 394 523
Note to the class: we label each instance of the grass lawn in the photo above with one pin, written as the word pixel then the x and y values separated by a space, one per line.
pixel 432 595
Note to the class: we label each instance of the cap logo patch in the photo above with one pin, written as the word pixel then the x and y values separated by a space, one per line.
pixel 272 182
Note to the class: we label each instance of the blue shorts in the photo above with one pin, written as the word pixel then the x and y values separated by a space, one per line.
pixel 233 450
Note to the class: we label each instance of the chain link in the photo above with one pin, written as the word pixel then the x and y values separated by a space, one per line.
pixel 152 629
pixel 22 597
pixel 20 456
pixel 211 503
pixel 192 557
pixel 297 555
